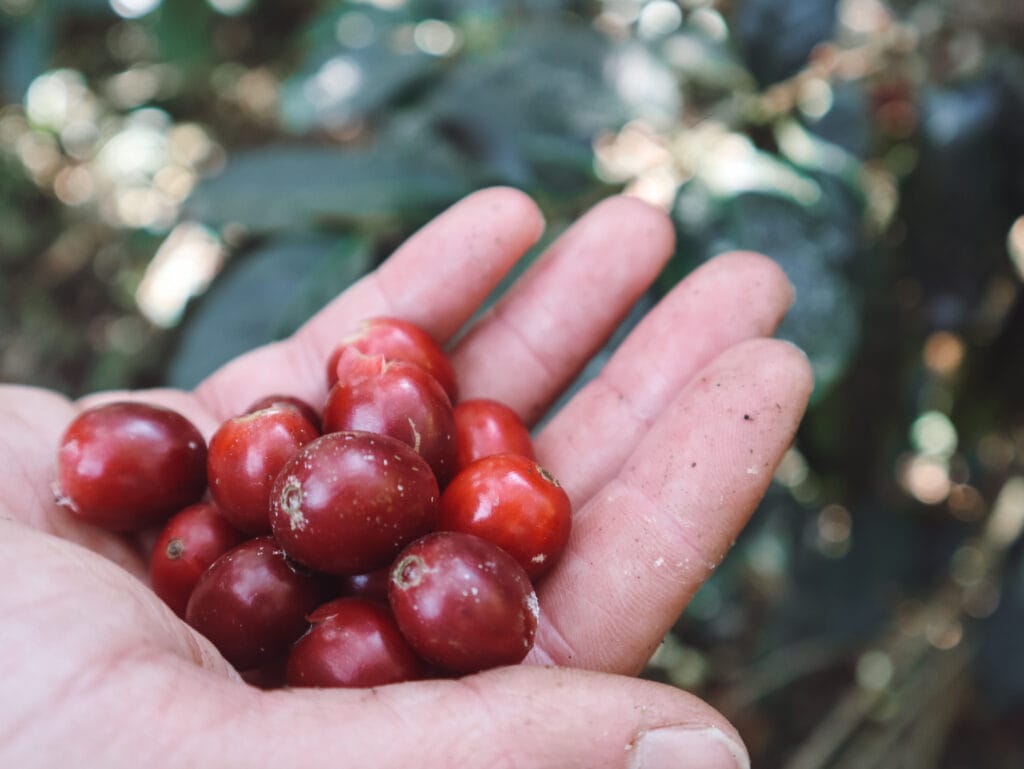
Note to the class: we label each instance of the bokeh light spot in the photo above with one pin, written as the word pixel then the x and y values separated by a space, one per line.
pixel 355 30
pixel 925 478
pixel 133 9
pixel 933 434
pixel 1015 245
pixel 874 670
pixel 943 353
pixel 659 18
pixel 435 38
pixel 230 7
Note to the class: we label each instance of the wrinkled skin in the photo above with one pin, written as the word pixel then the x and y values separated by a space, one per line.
pixel 665 455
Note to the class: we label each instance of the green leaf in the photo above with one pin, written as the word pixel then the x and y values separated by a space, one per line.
pixel 528 112
pixel 25 50
pixel 352 67
pixel 262 297
pixel 811 243
pixel 1001 657
pixel 777 36
pixel 292 187
pixel 183 32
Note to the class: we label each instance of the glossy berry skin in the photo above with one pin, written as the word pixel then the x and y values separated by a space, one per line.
pixel 252 603
pixel 394 398
pixel 126 466
pixel 352 642
pixel 246 454
pixel 513 502
pixel 462 603
pixel 289 401
pixel 372 586
pixel 192 540
pixel 484 428
pixel 348 502
pixel 398 339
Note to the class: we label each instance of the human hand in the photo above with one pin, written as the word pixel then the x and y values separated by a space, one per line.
pixel 664 455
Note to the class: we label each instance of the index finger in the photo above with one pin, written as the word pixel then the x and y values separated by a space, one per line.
pixel 436 279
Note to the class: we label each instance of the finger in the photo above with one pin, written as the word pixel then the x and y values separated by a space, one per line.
pixel 733 297
pixel 522 716
pixel 644 544
pixel 32 422
pixel 565 306
pixel 437 280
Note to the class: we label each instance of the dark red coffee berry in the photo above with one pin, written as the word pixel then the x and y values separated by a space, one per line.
pixel 348 502
pixel 463 603
pixel 397 339
pixel 352 642
pixel 513 502
pixel 246 454
pixel 394 398
pixel 127 466
pixel 484 428
pixel 252 603
pixel 192 540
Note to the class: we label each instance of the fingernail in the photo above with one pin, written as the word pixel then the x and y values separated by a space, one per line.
pixel 677 747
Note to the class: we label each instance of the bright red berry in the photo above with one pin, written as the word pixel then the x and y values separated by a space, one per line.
pixel 352 642
pixel 463 603
pixel 484 428
pixel 252 603
pixel 394 398
pixel 127 466
pixel 513 502
pixel 348 502
pixel 192 540
pixel 246 454
pixel 397 339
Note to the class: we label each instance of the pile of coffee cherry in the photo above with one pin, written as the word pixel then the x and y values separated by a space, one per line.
pixel 390 538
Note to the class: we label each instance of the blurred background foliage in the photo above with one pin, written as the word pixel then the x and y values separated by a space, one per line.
pixel 181 181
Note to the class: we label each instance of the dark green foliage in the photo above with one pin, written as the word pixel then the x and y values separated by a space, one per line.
pixel 266 295
pixel 300 188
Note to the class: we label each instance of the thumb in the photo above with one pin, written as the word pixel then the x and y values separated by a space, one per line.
pixel 523 716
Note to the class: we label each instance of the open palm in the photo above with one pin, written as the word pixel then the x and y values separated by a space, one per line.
pixel 664 455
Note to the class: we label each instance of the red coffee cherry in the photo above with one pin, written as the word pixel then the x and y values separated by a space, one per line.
pixel 127 466
pixel 484 428
pixel 246 454
pixel 352 642
pixel 252 603
pixel 394 398
pixel 288 401
pixel 191 541
pixel 348 502
pixel 513 502
pixel 397 339
pixel 463 603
